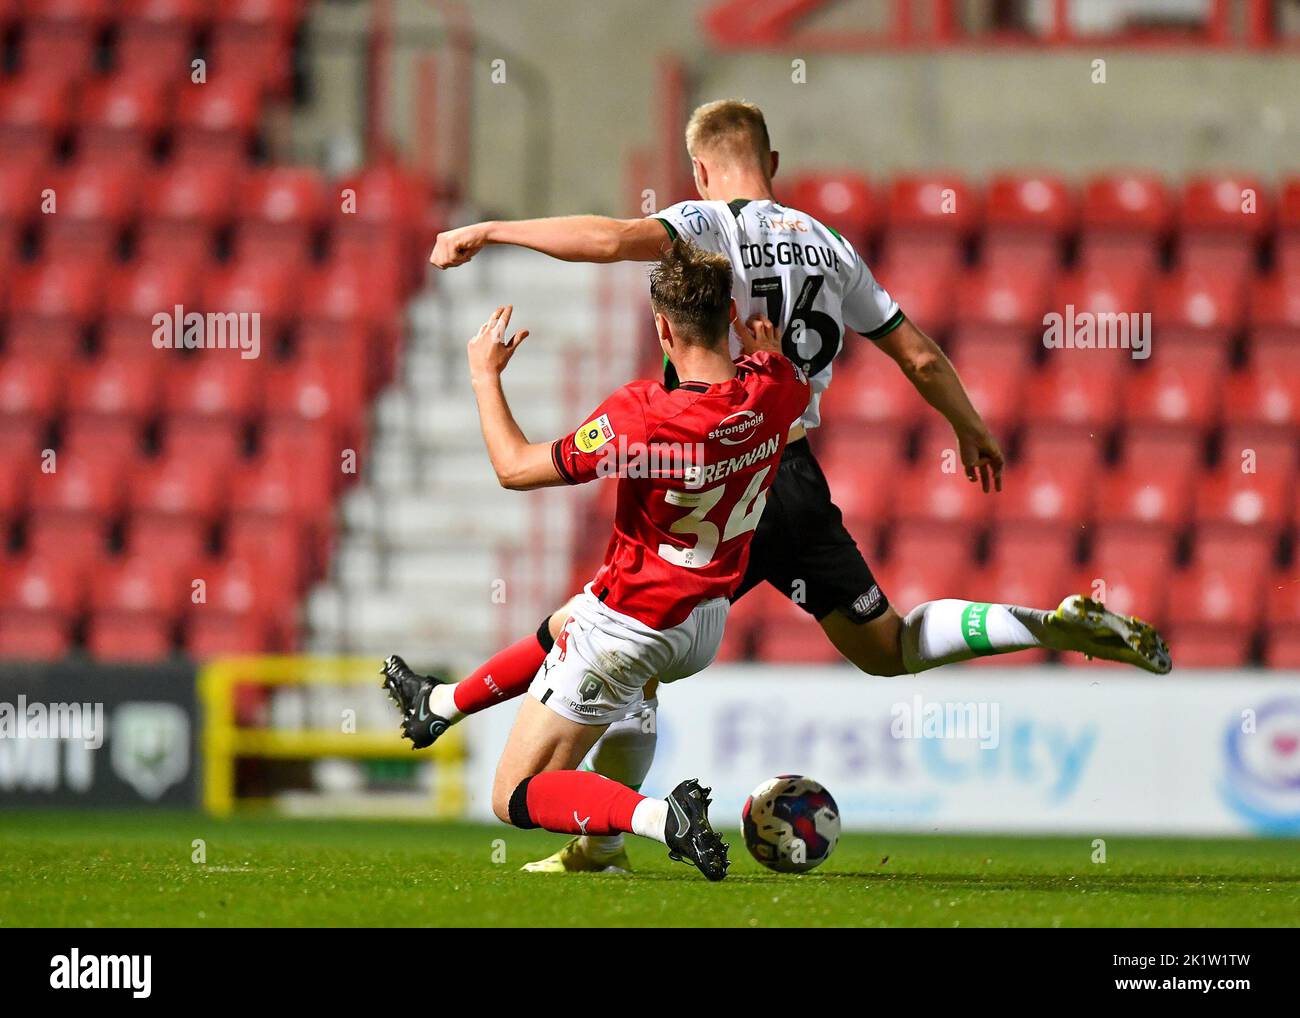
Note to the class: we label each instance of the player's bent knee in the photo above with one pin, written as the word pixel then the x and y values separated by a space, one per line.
pixel 511 807
pixel 874 647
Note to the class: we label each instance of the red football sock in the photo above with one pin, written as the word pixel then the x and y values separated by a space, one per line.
pixel 504 675
pixel 580 802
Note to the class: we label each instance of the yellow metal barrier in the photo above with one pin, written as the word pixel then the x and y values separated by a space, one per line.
pixel 224 742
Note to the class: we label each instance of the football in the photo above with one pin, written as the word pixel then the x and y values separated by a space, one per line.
pixel 791 824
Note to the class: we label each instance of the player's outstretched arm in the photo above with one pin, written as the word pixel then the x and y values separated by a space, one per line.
pixel 520 465
pixel 927 367
pixel 569 238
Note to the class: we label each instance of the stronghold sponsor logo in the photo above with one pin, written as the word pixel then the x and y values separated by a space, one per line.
pixel 922 719
pixel 72 721
pixel 737 429
pixel 1099 330
pixel 179 329
pixel 77 971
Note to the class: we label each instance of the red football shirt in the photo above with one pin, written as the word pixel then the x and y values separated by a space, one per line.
pixel 693 466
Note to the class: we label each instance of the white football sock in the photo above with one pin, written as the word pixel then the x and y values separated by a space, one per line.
pixel 650 819
pixel 442 701
pixel 624 753
pixel 940 632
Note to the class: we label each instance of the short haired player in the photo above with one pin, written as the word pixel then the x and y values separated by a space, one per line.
pixel 682 532
pixel 811 283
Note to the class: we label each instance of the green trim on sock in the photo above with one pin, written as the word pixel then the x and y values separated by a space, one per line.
pixel 974 627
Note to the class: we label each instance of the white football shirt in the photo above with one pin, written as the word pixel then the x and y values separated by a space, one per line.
pixel 799 273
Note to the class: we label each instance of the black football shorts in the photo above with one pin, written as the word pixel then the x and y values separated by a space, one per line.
pixel 803 550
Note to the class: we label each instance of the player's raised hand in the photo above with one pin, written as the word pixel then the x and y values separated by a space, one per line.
pixel 756 334
pixel 490 351
pixel 982 458
pixel 456 247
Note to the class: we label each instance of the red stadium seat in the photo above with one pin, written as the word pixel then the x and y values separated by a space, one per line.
pixel 1125 216
pixel 1215 595
pixel 1282 647
pixel 1075 389
pixel 1051 444
pixel 219 383
pixel 1208 646
pixel 1145 496
pixel 178 485
pixel 280 543
pixel 1275 323
pixel 1178 449
pixel 31 387
pixel 926 493
pixel 268 288
pixel 1282 598
pixel 925 297
pixel 1171 397
pixel 875 395
pixel 121 117
pixel 1233 547
pixel 281 209
pixel 384 228
pixel 1051 545
pixel 184 205
pixel 1263 499
pixel 999 317
pixel 138 293
pixel 920 542
pixel 139 585
pixel 1264 446
pixel 51 304
pixel 94 438
pixel 217 441
pixel 254 37
pixel 95 203
pixel 930 219
pixel 156 37
pixel 1221 225
pixel 1258 398
pixel 60 35
pixel 217 121
pixel 116 388
pixel 843 201
pixel 320 394
pixel 1151 546
pixel 35 112
pixel 115 637
pixel 1197 308
pixel 1028 216
pixel 1057 493
pixel 33 638
pixel 36 586
pixel 184 540
pixel 208 636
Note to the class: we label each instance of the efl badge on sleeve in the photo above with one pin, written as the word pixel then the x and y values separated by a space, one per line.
pixel 592 435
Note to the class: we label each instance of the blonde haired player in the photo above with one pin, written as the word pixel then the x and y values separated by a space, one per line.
pixel 812 285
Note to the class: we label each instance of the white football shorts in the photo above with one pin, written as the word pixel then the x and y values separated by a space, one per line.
pixel 602 660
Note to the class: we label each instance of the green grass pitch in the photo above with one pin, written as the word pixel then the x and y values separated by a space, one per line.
pixel 59 869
